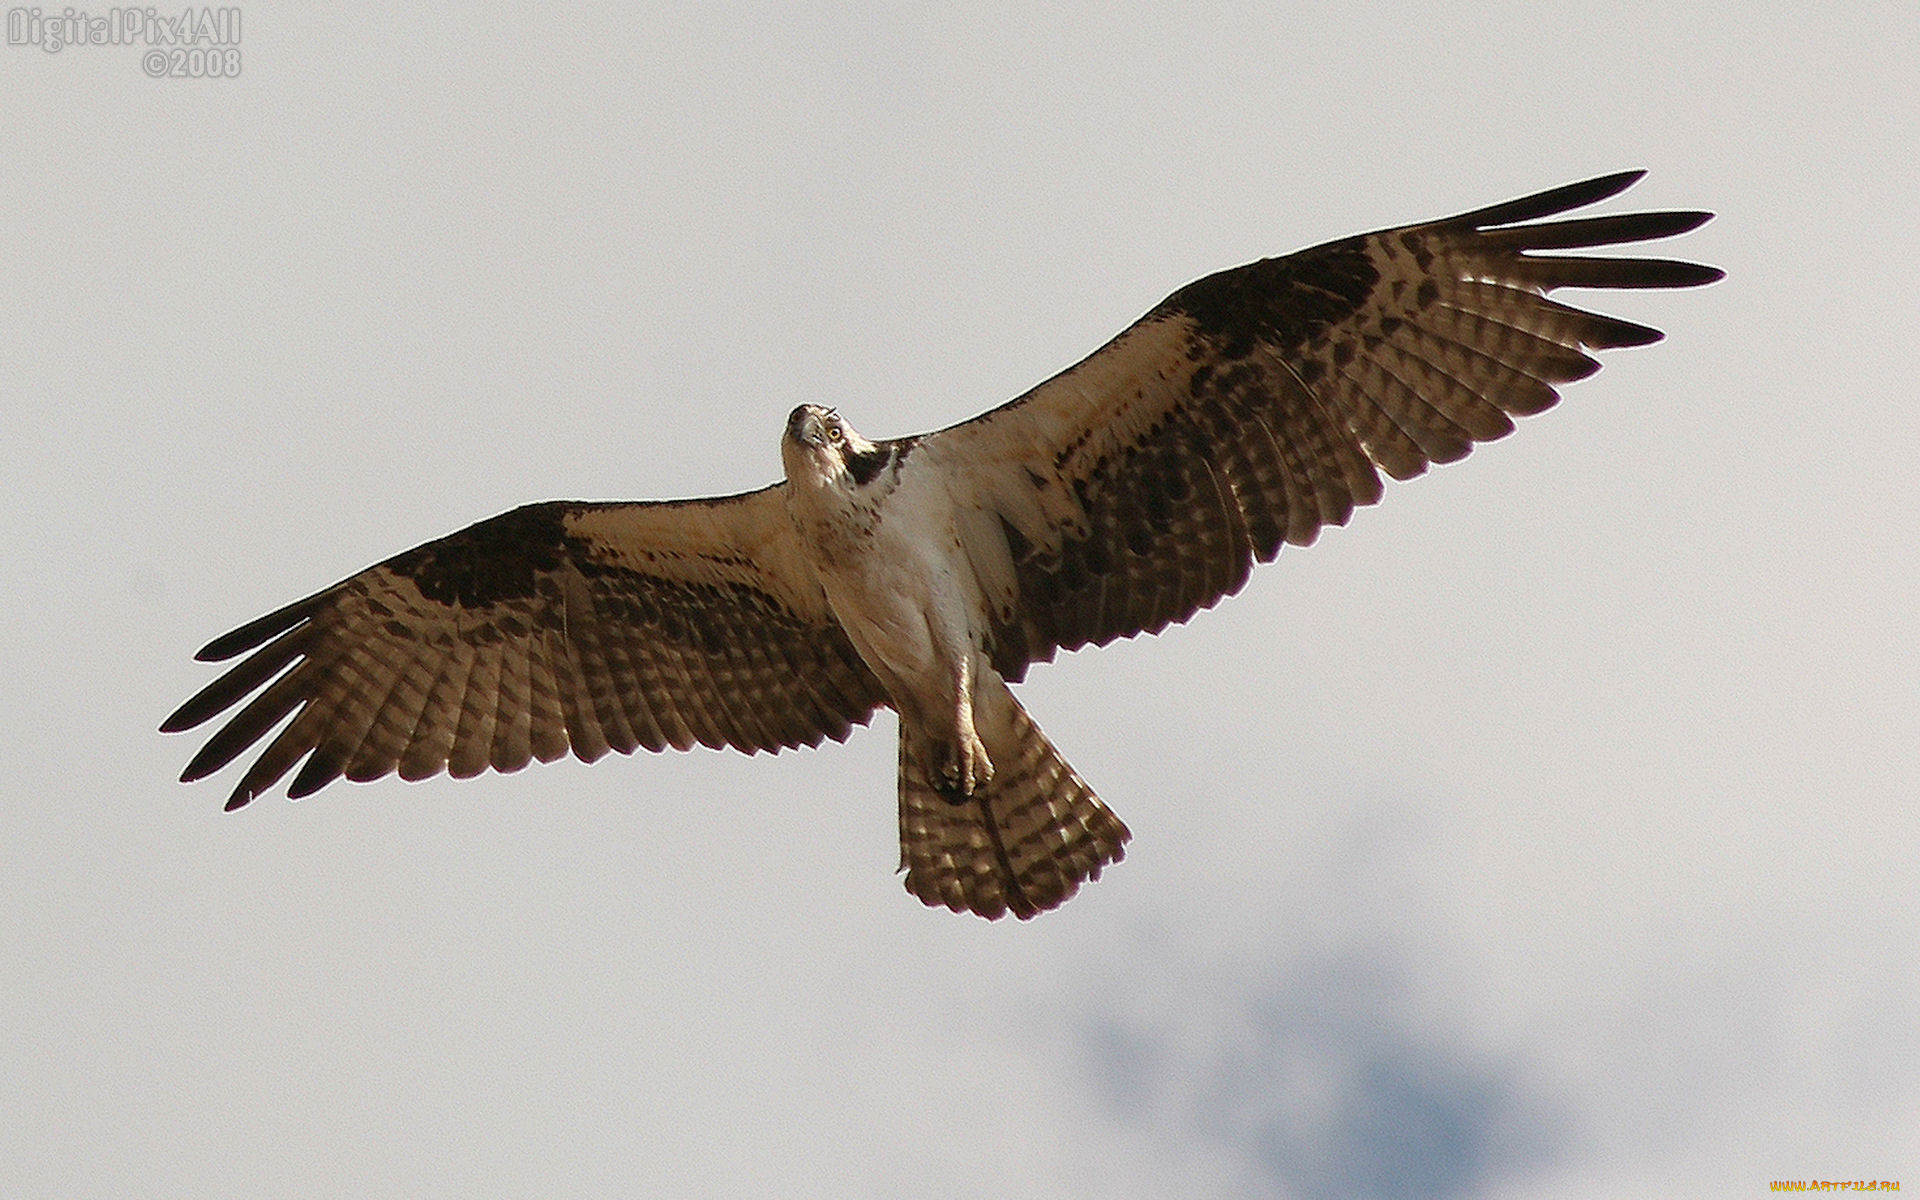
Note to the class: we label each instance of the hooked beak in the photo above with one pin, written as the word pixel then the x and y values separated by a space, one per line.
pixel 807 426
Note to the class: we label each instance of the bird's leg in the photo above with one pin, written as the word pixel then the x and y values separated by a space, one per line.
pixel 962 766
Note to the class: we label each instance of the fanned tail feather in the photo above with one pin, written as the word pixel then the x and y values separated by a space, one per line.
pixel 1024 843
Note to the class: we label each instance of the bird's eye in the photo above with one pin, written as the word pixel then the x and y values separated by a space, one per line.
pixel 834 433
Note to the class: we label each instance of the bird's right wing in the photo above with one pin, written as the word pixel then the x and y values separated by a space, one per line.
pixel 554 627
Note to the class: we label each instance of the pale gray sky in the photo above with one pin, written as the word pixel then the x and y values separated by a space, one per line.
pixel 1549 832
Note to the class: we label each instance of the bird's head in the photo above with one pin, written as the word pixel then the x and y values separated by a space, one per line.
pixel 821 447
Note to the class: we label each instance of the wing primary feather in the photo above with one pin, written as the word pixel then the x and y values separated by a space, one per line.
pixel 1581 232
pixel 1612 333
pixel 554 627
pixel 322 767
pixel 1547 203
pixel 1359 478
pixel 1550 272
pixel 292 744
pixel 260 629
pixel 1382 438
pixel 1326 449
pixel 248 725
pixel 229 689
pixel 1265 469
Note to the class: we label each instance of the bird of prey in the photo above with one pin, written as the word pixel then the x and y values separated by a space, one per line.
pixel 924 574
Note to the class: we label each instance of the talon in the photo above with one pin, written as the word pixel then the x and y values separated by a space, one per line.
pixel 966 770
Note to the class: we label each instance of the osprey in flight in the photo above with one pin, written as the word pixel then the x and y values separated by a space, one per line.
pixel 925 574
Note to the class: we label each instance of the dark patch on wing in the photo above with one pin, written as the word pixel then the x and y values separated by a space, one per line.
pixel 1280 302
pixel 497 560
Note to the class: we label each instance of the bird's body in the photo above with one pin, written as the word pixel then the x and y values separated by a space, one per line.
pixel 884 550
pixel 884 534
pixel 1246 411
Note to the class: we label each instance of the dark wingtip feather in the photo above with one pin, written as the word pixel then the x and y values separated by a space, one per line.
pixel 1684 221
pixel 240 681
pixel 260 629
pixel 212 756
pixel 1622 335
pixel 185 717
pixel 203 705
pixel 242 796
pixel 1550 202
pixel 1582 232
pixel 1670 273
pixel 1551 272
pixel 321 768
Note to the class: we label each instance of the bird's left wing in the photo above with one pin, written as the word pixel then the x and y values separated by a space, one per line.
pixel 554 627
pixel 1255 406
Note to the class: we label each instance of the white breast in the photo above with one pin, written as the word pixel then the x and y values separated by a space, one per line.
pixel 896 574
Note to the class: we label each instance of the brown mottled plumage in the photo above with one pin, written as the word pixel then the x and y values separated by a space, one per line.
pixel 1247 410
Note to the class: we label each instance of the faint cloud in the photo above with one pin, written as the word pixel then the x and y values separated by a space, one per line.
pixel 1323 1086
pixel 1317 1044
